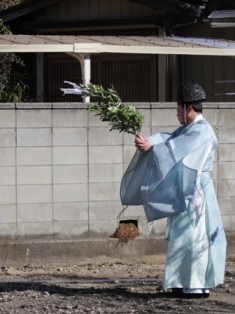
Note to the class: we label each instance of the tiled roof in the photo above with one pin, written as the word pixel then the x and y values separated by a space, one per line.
pixel 222 14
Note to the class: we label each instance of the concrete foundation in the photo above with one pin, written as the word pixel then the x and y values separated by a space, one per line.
pixel 67 252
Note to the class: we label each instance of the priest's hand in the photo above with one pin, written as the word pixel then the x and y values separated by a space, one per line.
pixel 142 143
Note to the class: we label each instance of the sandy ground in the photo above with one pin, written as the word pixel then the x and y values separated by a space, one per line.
pixel 111 287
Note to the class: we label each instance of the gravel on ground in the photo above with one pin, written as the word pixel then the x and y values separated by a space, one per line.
pixel 111 287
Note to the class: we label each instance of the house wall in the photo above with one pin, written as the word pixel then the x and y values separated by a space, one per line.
pixel 172 70
pixel 90 9
pixel 206 70
pixel 60 169
pixel 200 69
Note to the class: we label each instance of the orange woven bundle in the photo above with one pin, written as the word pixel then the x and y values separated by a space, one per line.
pixel 126 232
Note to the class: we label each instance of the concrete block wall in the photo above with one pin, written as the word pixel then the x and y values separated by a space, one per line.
pixel 60 169
pixel 226 164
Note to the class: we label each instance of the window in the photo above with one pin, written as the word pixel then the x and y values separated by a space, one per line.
pixel 133 76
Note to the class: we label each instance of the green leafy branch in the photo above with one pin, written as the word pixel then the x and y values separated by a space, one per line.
pixel 108 107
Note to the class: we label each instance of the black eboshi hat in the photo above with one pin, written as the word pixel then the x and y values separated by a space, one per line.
pixel 190 93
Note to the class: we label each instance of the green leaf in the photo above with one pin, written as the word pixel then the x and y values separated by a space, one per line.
pixel 109 107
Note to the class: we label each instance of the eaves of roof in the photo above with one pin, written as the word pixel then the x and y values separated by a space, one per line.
pixel 23 8
pixel 222 18
pixel 55 26
pixel 117 45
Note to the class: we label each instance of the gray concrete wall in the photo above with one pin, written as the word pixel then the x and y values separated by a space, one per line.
pixel 60 169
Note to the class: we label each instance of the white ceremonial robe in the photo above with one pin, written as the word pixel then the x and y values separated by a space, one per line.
pixel 173 180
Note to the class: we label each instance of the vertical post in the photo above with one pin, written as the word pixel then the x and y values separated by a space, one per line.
pixel 87 73
pixel 162 60
pixel 40 77
pixel 161 78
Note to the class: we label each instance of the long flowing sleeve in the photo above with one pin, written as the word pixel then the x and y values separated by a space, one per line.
pixel 163 180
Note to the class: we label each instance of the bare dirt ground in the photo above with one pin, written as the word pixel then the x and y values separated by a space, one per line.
pixel 103 288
